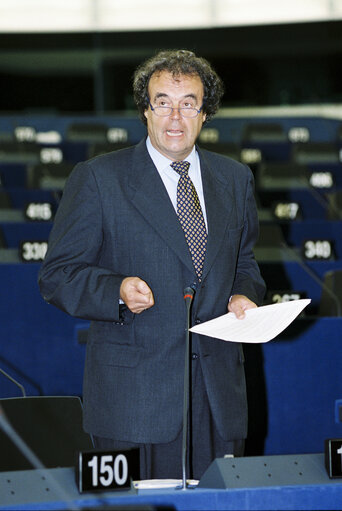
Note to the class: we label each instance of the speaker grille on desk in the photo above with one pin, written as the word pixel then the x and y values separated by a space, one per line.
pixel 285 470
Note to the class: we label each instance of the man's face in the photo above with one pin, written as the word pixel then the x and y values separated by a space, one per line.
pixel 174 136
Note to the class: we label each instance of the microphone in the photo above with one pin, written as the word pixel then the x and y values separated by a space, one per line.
pixel 14 381
pixel 25 450
pixel 189 293
pixel 308 270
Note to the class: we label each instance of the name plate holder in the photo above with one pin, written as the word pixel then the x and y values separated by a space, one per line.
pixel 105 470
pixel 333 457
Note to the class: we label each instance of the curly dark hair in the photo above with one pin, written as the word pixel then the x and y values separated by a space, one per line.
pixel 178 62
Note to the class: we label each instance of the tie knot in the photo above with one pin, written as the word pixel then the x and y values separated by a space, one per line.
pixel 181 167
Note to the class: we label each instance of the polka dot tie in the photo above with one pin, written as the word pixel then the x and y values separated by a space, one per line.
pixel 190 215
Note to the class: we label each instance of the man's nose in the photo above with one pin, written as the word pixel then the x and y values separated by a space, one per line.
pixel 175 114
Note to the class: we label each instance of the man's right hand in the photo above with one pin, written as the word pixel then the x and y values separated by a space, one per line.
pixel 136 294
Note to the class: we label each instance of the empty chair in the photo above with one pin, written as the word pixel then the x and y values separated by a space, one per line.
pixel 50 426
pixel 339 133
pixel 48 176
pixel 3 243
pixel 87 132
pixel 227 148
pixel 315 152
pixel 19 152
pixel 7 255
pixel 99 148
pixel 264 213
pixel 282 176
pixel 7 212
pixel 271 245
pixel 263 132
pixel 331 297
pixel 13 175
pixel 270 235
pixel 5 201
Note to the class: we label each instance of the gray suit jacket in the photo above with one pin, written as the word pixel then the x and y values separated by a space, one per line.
pixel 115 220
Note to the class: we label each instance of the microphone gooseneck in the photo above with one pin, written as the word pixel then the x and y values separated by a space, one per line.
pixel 189 293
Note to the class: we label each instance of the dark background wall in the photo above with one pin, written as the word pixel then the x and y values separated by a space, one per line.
pixel 295 382
pixel 261 65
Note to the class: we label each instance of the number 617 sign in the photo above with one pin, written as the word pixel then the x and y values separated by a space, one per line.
pixel 107 470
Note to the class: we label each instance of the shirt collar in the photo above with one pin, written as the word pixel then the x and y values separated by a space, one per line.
pixel 161 162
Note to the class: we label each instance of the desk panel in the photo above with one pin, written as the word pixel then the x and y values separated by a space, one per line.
pixel 56 489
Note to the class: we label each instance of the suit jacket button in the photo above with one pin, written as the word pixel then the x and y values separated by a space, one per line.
pixel 197 321
pixel 194 356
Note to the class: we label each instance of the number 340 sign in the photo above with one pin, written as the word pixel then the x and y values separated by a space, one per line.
pixel 107 470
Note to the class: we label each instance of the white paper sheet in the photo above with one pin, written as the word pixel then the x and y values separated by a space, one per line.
pixel 261 324
pixel 153 484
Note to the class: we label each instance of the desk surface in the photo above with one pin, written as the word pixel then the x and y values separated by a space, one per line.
pixel 56 489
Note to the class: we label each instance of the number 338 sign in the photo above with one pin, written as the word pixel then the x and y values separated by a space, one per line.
pixel 107 470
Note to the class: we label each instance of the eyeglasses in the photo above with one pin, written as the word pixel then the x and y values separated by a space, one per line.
pixel 165 111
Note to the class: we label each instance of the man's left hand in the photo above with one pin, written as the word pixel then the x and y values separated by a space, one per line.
pixel 239 304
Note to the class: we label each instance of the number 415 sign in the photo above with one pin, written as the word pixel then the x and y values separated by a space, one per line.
pixel 107 470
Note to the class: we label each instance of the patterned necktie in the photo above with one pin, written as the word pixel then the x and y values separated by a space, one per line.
pixel 190 215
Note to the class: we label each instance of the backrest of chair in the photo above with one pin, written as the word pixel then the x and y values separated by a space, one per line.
pixel 98 148
pixel 282 175
pixel 256 132
pixel 270 235
pixel 87 132
pixel 229 149
pixel 50 426
pixel 315 152
pixel 48 176
pixel 331 297
pixel 5 201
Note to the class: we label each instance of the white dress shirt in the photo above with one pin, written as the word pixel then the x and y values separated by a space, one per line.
pixel 170 177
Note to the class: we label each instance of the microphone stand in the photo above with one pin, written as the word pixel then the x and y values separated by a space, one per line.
pixel 188 297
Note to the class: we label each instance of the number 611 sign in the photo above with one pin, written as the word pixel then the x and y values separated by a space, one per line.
pixel 107 470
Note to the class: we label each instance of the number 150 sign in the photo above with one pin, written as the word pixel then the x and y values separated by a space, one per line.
pixel 107 470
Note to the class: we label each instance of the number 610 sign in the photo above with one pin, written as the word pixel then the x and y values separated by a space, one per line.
pixel 107 470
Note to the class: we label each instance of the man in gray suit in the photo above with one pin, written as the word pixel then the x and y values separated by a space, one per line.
pixel 119 256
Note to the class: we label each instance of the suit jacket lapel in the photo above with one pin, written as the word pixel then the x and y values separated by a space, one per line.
pixel 218 204
pixel 150 197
